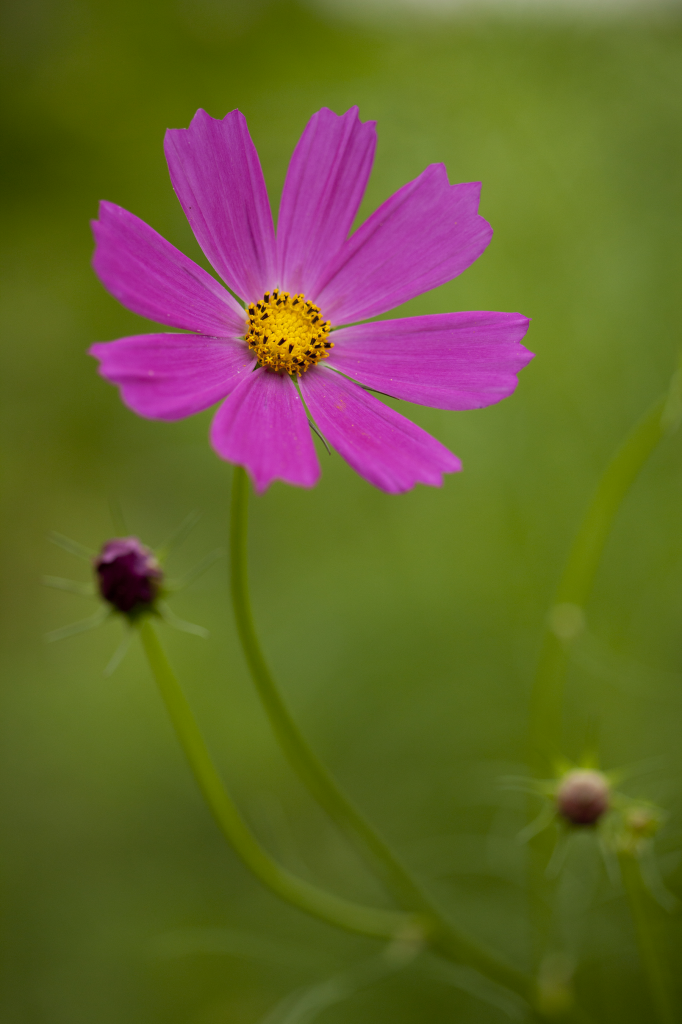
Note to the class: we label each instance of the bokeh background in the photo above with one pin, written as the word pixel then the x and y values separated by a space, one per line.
pixel 404 630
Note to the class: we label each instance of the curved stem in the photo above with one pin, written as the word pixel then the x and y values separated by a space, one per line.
pixel 341 913
pixel 655 969
pixel 304 761
pixel 578 576
pixel 443 938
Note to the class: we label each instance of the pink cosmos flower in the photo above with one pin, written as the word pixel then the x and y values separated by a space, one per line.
pixel 281 358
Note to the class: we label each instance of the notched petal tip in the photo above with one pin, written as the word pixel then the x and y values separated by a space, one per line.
pixel 324 186
pixel 201 118
pixel 353 111
pixel 425 234
pixel 384 447
pixel 106 208
pixel 261 485
pixel 263 427
pixel 216 174
pixel 445 360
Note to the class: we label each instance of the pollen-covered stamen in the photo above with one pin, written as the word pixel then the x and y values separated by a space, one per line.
pixel 287 334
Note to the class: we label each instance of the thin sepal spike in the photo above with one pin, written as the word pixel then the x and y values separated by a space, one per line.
pixel 311 424
pixel 193 574
pixel 647 766
pixel 523 784
pixel 365 387
pixel 172 619
pixel 384 393
pixel 610 864
pixel 178 535
pixel 100 616
pixel 305 1005
pixel 117 517
pixel 559 854
pixel 653 880
pixel 72 546
pixel 590 760
pixel 316 431
pixel 562 766
pixel 58 583
pixel 120 653
pixel 479 986
pixel 539 824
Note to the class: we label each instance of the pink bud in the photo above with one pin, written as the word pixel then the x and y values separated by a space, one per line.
pixel 583 796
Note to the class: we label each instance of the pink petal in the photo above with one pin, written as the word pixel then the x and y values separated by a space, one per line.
pixel 263 426
pixel 216 173
pixel 168 376
pixel 449 361
pixel 427 233
pixel 382 446
pixel 324 186
pixel 153 278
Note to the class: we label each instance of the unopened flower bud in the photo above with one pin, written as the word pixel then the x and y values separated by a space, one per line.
pixel 129 575
pixel 639 822
pixel 583 796
pixel 643 821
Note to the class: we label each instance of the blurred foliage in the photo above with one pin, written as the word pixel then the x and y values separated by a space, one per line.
pixel 404 630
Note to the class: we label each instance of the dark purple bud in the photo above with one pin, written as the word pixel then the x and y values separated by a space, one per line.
pixel 583 796
pixel 129 575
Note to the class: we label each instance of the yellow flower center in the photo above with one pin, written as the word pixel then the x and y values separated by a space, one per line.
pixel 287 334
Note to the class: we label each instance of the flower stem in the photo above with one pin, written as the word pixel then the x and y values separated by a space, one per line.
pixel 304 761
pixel 578 576
pixel 335 911
pixel 655 968
pixel 443 938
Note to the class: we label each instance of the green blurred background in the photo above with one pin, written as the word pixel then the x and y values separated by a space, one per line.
pixel 404 630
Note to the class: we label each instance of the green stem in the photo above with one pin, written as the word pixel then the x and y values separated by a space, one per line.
pixel 341 913
pixel 655 969
pixel 578 576
pixel 305 763
pixel 443 938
